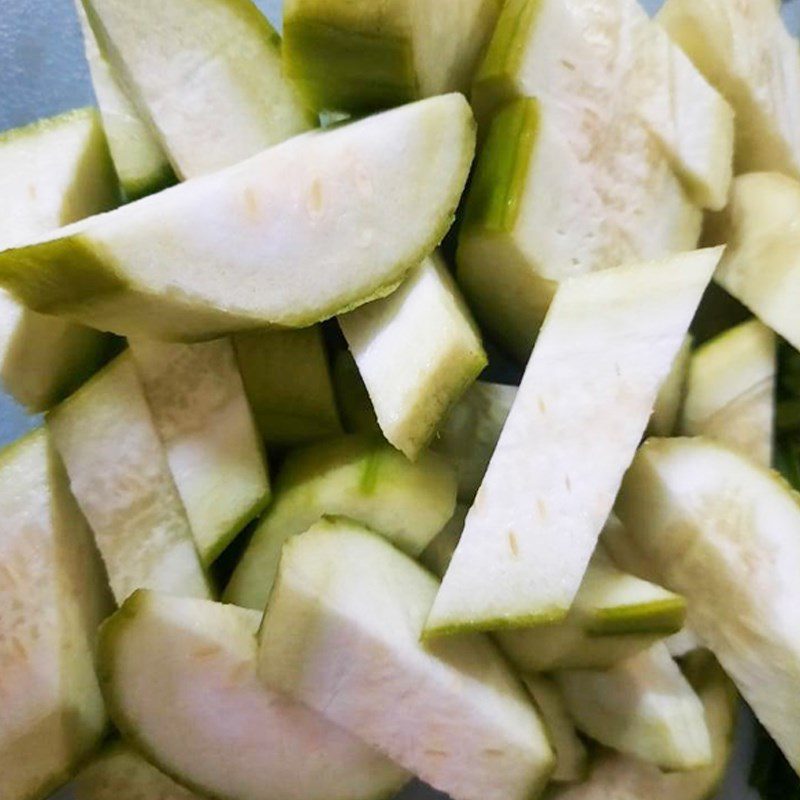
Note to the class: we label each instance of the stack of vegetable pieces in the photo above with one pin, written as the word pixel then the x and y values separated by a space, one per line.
pixel 492 589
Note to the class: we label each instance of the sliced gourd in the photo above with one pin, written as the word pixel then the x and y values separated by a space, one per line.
pixel 141 163
pixel 761 267
pixel 53 172
pixel 359 56
pixel 617 777
pixel 670 397
pixel 357 477
pixel 288 237
pixel 341 634
pixel 437 555
pixel 469 435
pixel 722 530
pixel 643 707
pixel 539 213
pixel 731 390
pixel 179 678
pixel 120 476
pixel 120 773
pixel 604 67
pixel 615 615
pixel 746 52
pixel 224 99
pixel 53 594
pixel 571 756
pixel 358 415
pixel 288 384
pixel 213 449
pixel 607 345
pixel 417 350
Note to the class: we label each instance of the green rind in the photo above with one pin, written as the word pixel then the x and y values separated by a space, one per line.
pixel 662 617
pixel 487 625
pixel 340 69
pixel 497 189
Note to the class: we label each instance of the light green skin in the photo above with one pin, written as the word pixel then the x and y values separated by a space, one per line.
pixel 288 383
pixel 355 477
pixel 120 773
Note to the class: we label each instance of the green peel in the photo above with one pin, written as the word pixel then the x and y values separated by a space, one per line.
pixel 665 616
pixel 547 616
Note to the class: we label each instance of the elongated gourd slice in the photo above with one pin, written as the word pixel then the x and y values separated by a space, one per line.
pixel 357 477
pixel 179 678
pixel 197 400
pixel 120 476
pixel 359 56
pixel 424 326
pixel 618 777
pixel 731 390
pixel 140 162
pixel 761 267
pixel 643 707
pixel 540 211
pixel 288 383
pixel 469 435
pixel 605 66
pixel 341 633
pixel 53 595
pixel 120 773
pixel 302 219
pixel 53 172
pixel 571 756
pixel 671 395
pixel 723 531
pixel 225 99
pixel 615 615
pixel 607 345
pixel 746 52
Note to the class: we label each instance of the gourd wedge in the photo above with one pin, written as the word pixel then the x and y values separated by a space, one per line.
pixel 359 56
pixel 617 777
pixel 358 477
pixel 120 476
pixel 120 773
pixel 140 162
pixel 615 616
pixel 540 211
pixel 608 65
pixel 179 678
pixel 53 595
pixel 288 383
pixel 748 55
pixel 731 390
pixel 643 707
pixel 607 345
pixel 341 634
pixel 216 458
pixel 53 172
pixel 425 326
pixel 469 435
pixel 223 99
pixel 302 218
pixel 723 531
pixel 761 267
pixel 671 395
pixel 571 756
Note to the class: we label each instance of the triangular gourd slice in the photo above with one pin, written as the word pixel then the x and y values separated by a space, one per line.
pixel 53 595
pixel 731 390
pixel 200 411
pixel 608 343
pixel 358 477
pixel 179 678
pixel 120 476
pixel 341 633
pixel 722 530
pixel 223 98
pixel 288 237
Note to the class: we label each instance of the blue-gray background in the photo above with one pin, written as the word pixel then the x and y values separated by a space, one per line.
pixel 42 72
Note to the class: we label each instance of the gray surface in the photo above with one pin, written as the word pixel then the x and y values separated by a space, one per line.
pixel 42 72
